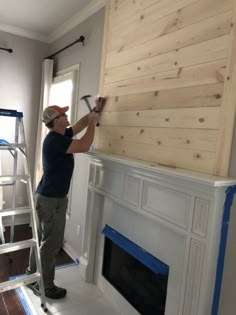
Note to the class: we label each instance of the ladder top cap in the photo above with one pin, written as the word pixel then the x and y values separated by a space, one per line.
pixel 10 113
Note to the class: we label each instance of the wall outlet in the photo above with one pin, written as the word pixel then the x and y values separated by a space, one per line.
pixel 20 200
pixel 78 230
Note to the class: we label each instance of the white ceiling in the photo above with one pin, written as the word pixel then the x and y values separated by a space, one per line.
pixel 44 19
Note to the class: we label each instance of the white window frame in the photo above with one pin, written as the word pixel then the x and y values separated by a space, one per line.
pixel 59 76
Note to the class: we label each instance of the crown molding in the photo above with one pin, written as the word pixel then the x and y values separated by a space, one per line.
pixel 22 32
pixel 78 18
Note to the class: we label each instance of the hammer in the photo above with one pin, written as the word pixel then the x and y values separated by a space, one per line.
pixel 85 98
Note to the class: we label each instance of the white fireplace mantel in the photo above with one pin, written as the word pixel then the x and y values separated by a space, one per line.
pixel 175 215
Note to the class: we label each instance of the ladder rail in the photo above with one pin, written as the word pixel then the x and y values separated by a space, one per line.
pixel 15 149
pixel 33 218
pixel 17 126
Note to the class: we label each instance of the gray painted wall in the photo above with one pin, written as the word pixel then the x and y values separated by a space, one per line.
pixel 20 80
pixel 89 58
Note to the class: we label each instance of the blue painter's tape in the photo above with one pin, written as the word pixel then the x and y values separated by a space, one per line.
pixel 23 301
pixel 3 141
pixel 69 264
pixel 134 250
pixel 224 233
pixel 21 296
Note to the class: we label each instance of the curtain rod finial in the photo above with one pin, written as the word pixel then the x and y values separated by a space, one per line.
pixel 7 49
pixel 82 39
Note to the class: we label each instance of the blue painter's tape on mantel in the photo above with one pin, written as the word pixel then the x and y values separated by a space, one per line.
pixel 230 192
pixel 134 250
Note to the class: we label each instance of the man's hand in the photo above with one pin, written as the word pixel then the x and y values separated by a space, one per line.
pixel 99 103
pixel 93 117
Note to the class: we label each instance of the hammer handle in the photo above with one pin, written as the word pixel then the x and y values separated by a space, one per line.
pixel 88 104
pixel 90 109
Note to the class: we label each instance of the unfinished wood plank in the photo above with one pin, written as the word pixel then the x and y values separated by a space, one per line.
pixel 115 4
pixel 211 50
pixel 208 73
pixel 104 49
pixel 169 111
pixel 144 30
pixel 128 15
pixel 228 109
pixel 118 3
pixel 210 28
pixel 194 139
pixel 201 117
pixel 195 160
pixel 197 96
pixel 120 6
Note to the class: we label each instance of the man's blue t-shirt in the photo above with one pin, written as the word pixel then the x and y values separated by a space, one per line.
pixel 58 166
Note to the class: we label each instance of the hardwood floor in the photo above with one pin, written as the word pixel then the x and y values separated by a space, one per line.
pixel 15 263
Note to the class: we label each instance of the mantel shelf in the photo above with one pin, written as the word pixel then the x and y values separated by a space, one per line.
pixel 197 177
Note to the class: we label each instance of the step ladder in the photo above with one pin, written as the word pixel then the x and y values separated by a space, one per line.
pixel 16 149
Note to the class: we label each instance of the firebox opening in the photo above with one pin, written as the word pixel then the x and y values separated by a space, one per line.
pixel 140 277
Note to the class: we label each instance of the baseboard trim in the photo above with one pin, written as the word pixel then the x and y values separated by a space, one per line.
pixel 70 251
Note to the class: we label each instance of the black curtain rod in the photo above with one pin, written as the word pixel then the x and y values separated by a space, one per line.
pixel 7 49
pixel 81 39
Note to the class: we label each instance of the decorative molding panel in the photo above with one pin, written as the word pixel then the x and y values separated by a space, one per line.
pixel 91 179
pixel 104 180
pixel 193 278
pixel 169 204
pixel 132 189
pixel 201 213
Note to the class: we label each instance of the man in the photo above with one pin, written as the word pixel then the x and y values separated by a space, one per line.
pixel 51 194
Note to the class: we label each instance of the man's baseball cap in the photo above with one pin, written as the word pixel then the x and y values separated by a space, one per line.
pixel 51 112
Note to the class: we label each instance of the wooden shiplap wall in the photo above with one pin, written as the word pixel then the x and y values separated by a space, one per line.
pixel 168 73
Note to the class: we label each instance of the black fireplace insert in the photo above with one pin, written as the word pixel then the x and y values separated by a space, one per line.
pixel 139 277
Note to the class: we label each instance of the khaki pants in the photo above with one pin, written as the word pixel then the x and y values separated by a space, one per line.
pixel 51 218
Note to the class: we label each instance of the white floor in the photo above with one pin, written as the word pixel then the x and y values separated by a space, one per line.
pixel 82 298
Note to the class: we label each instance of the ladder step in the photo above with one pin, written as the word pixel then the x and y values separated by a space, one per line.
pixel 10 113
pixel 6 180
pixel 15 211
pixel 11 146
pixel 11 247
pixel 19 282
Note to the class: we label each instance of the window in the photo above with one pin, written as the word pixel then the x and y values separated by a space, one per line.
pixel 63 93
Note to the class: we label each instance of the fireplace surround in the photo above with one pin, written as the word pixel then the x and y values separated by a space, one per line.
pixel 173 214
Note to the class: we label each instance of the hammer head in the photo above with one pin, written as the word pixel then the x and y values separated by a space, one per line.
pixel 85 97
